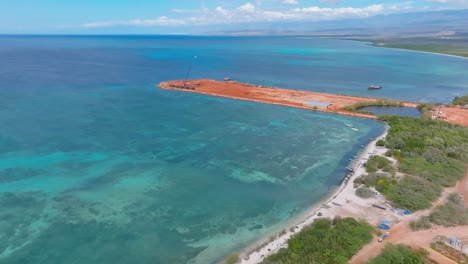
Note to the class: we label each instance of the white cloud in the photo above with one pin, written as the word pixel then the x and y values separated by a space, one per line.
pixel 248 8
pixel 289 2
pixel 221 10
pixel 341 12
pixel 251 13
pixel 160 21
pixel 331 2
pixel 460 3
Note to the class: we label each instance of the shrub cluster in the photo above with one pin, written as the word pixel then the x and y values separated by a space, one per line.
pixel 364 192
pixel 325 241
pixel 398 254
pixel 379 102
pixel 433 154
pixel 462 100
pixel 380 143
pixel 376 163
pixel 380 181
pixel 421 224
pixel 452 213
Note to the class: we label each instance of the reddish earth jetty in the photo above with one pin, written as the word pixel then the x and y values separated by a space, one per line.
pixel 293 98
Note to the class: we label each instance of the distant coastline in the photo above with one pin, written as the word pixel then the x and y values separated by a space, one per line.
pixel 376 44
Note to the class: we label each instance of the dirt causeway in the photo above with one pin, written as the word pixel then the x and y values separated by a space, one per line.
pixel 293 98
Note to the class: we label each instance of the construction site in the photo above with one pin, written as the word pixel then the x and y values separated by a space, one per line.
pixel 330 103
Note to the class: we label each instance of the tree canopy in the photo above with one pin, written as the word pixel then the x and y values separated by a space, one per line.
pixel 325 241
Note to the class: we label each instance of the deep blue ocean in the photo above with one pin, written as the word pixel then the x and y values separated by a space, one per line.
pixel 99 166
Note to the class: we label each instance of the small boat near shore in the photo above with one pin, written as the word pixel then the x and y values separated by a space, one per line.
pixel 374 87
pixel 355 129
pixel 337 204
pixel 348 125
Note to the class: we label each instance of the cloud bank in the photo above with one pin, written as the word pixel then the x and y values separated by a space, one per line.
pixel 249 12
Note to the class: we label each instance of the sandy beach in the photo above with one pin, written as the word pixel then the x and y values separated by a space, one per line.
pixel 343 202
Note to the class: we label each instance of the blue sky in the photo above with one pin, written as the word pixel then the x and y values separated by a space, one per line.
pixel 184 16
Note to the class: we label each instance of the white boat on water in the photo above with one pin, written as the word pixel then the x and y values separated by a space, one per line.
pixel 355 129
pixel 348 125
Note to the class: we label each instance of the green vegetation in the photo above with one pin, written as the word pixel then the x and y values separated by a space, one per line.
pixel 434 168
pixel 462 100
pixel 325 241
pixel 454 46
pixel 412 192
pixel 232 259
pixel 376 180
pixel 409 192
pixel 432 154
pixel 425 109
pixel 380 143
pixel 283 232
pixel 396 254
pixel 376 163
pixel 421 224
pixel 379 102
pixel 452 213
pixel 364 192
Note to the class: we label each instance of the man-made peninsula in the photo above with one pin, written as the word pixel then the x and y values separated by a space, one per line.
pixel 293 98
pixel 339 104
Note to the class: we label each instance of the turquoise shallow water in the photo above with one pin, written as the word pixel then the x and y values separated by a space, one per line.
pixel 130 182
pixel 98 166
pixel 392 110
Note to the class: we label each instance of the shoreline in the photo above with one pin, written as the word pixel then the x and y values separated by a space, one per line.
pixel 344 192
pixel 373 44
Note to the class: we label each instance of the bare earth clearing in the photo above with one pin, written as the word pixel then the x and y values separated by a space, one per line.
pixel 402 234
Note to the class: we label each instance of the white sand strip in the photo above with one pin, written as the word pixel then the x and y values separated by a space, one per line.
pixel 351 205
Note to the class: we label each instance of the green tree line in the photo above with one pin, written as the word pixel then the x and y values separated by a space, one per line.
pixel 431 153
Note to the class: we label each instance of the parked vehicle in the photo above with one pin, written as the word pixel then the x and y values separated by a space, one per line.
pixel 384 236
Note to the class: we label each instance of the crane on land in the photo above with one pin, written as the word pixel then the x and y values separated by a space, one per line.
pixel 189 70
